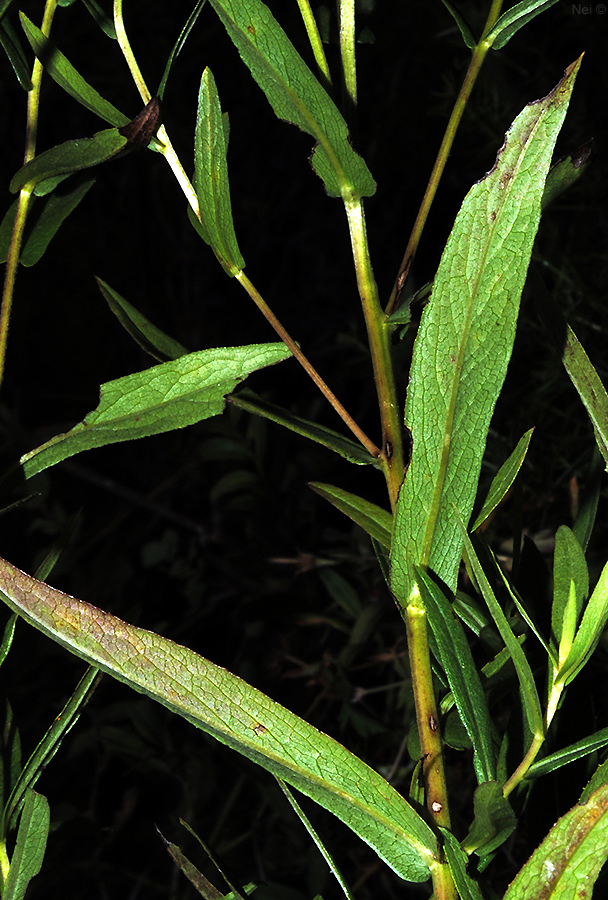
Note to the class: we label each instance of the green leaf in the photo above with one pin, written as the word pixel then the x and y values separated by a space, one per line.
pixel 317 840
pixel 570 858
pixel 237 715
pixel 527 684
pixel 566 172
pixel 150 338
pixel 168 396
pixel 104 21
pixel 69 157
pixel 570 589
pixel 201 884
pixel 464 29
pixel 569 754
pixel 373 519
pixel 30 847
pixel 44 221
pixel 67 77
pixel 503 480
pixel 295 95
pixel 457 662
pixel 457 861
pixel 350 450
pixel 465 341
pixel 494 820
pixel 590 630
pixel 211 177
pixel 12 47
pixel 177 47
pixel 513 19
pixel 582 373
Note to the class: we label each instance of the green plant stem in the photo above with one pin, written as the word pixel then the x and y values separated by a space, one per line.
pixel 379 332
pixel 479 55
pixel 306 365
pixel 316 43
pixel 431 748
pixel 346 10
pixel 31 133
pixel 184 182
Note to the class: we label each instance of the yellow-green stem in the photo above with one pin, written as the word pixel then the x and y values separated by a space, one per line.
pixel 431 749
pixel 378 333
pixel 306 365
pixel 479 55
pixel 12 262
pixel 315 41
pixel 346 11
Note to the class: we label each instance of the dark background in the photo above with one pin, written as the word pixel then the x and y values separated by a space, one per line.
pixel 210 535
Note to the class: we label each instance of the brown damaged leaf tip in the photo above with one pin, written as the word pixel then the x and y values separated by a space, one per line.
pixel 140 130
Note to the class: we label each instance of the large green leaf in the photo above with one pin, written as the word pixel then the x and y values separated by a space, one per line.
pixel 295 94
pixel 568 861
pixel 168 396
pixel 237 715
pixel 465 341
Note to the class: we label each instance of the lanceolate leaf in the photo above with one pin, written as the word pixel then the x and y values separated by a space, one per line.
pixel 150 338
pixel 236 714
pixel 515 18
pixel 163 398
pixel 30 847
pixel 69 157
pixel 211 177
pixel 373 519
pixel 295 94
pixel 457 661
pixel 465 341
pixel 567 863
pixel 505 477
pixel 66 76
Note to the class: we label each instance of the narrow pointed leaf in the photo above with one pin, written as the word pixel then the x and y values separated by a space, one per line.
pixel 295 94
pixel 515 18
pixel 150 338
pixel 465 341
pixel 30 847
pixel 320 434
pixel 104 21
pixel 457 861
pixel 47 219
pixel 527 684
pixel 373 519
pixel 72 156
pixel 177 47
pixel 211 177
pixel 502 482
pixel 67 77
pixel 567 863
pixel 168 396
pixel 237 715
pixel 12 47
pixel 457 661
pixel 570 588
pixel 590 630
pixel 464 29
pixel 596 741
